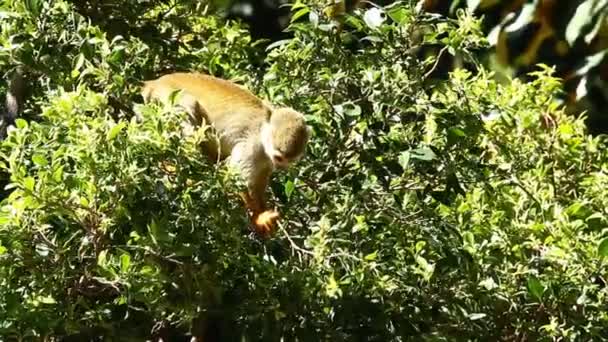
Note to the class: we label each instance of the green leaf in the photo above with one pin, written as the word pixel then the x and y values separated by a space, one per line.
pixel 468 238
pixel 419 246
pixel 278 43
pixel 398 14
pixel 147 270
pixel 591 62
pixel 602 248
pixel 297 5
pixel 20 123
pixel 47 300
pixel 425 268
pixel 404 159
pixel 125 262
pixel 39 160
pixel 574 208
pixel 455 134
pixel 289 188
pixel 423 153
pixel 79 62
pixel 332 288
pixel 371 256
pixel 84 202
pixel 351 109
pixel 102 258
pixel 114 131
pixel 535 287
pixel 58 174
pixel 158 231
pixel 29 183
pixel 300 13
pixel 525 17
pixel 117 57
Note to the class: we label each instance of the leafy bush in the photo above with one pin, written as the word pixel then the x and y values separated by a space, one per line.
pixel 463 210
pixel 564 34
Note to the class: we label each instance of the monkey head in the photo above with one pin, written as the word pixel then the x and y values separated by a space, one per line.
pixel 284 137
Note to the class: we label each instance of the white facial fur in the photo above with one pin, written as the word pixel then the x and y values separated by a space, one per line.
pixel 271 152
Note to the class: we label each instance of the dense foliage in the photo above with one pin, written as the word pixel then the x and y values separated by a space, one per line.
pixel 438 211
pixel 572 35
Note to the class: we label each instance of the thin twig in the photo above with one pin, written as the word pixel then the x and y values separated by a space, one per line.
pixel 149 250
pixel 428 73
pixel 309 252
pixel 293 244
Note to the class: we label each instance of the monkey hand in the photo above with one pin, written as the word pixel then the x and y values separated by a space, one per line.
pixel 265 221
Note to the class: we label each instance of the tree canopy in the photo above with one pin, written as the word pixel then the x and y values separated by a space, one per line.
pixel 425 209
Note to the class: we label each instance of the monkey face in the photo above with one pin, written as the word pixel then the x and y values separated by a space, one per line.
pixel 275 155
pixel 285 137
pixel 281 162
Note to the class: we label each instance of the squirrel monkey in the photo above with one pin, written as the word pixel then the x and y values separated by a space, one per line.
pixel 253 136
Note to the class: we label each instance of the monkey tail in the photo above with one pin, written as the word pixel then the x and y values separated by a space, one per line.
pixel 13 102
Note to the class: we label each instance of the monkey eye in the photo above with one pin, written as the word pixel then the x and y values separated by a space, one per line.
pixel 279 159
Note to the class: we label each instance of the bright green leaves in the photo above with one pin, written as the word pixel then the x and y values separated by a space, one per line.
pixel 409 210
pixel 21 123
pixel 115 130
pixel 332 288
pixel 85 184
pixel 40 160
pixel 399 14
pixel 289 187
pixel 299 10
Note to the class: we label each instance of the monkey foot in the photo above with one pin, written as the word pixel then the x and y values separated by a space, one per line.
pixel 265 221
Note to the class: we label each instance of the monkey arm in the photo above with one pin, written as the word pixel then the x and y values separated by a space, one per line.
pixel 257 189
pixel 255 170
pixel 263 219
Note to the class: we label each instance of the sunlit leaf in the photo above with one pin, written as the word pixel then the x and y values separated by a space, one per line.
pixel 115 130
pixel 423 153
pixel 40 160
